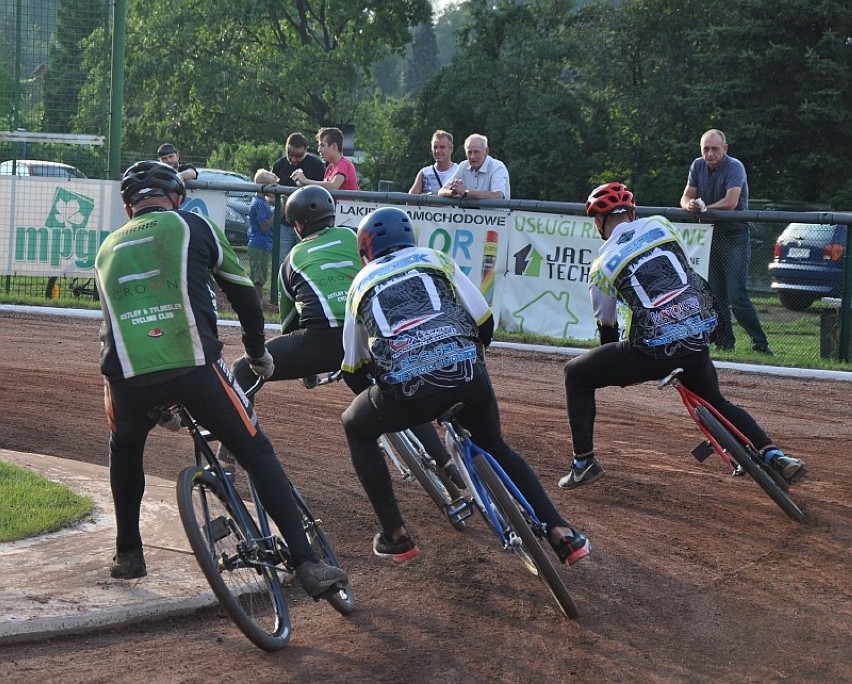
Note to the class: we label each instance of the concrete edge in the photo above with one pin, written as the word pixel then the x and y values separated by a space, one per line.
pixel 19 631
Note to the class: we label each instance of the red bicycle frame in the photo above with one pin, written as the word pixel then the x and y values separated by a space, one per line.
pixel 691 400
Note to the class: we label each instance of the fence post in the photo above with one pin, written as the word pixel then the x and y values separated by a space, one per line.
pixel 846 302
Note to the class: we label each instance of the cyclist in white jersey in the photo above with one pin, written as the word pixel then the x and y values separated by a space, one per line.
pixel 419 327
pixel 669 313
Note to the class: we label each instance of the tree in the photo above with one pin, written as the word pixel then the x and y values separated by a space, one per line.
pixel 508 81
pixel 781 73
pixel 422 63
pixel 230 75
pixel 76 20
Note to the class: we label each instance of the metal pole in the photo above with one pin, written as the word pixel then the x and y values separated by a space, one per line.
pixel 846 303
pixel 276 250
pixel 119 25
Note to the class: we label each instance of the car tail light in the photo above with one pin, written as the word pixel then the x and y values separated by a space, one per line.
pixel 832 251
pixel 776 253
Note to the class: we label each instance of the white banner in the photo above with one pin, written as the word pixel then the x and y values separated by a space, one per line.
pixel 532 267
pixel 54 227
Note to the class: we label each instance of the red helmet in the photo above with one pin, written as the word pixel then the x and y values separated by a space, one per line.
pixel 607 198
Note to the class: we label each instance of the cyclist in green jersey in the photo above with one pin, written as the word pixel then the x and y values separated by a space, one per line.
pixel 313 282
pixel 160 346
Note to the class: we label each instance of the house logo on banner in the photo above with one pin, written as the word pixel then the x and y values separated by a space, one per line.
pixel 547 277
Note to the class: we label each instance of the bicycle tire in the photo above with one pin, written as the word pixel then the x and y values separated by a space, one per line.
pixel 741 455
pixel 343 600
pixel 440 489
pixel 253 598
pixel 519 524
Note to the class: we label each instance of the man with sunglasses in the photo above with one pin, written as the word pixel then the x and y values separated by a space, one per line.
pixel 297 157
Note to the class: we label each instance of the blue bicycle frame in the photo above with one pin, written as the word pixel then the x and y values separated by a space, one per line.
pixel 467 451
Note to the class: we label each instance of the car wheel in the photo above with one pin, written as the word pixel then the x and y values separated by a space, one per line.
pixel 796 301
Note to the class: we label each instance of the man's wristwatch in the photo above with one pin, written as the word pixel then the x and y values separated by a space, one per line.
pixel 464 194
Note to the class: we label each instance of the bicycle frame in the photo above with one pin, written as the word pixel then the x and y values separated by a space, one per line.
pixel 463 455
pixel 204 457
pixel 201 438
pixel 691 401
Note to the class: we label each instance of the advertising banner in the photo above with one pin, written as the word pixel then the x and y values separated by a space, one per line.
pixel 54 227
pixel 532 267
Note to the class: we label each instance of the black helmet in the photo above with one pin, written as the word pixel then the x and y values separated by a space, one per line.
pixel 383 230
pixel 312 206
pixel 150 179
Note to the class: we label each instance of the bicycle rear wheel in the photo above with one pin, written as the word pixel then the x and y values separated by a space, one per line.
pixel 439 488
pixel 235 560
pixel 342 600
pixel 527 543
pixel 749 463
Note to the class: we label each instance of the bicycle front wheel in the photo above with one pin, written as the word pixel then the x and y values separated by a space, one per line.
pixel 342 600
pixel 423 468
pixel 524 540
pixel 741 455
pixel 234 559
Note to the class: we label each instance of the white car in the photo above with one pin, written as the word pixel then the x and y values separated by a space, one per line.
pixel 39 168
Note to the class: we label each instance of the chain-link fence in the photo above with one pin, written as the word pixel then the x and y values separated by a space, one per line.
pixel 802 325
pixel 51 112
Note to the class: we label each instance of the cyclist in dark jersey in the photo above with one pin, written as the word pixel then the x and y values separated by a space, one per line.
pixel 419 327
pixel 160 346
pixel 643 266
pixel 312 285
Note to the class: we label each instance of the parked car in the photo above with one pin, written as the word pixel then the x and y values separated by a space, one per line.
pixel 809 262
pixel 236 204
pixel 36 167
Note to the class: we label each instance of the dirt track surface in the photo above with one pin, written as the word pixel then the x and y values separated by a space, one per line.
pixel 695 576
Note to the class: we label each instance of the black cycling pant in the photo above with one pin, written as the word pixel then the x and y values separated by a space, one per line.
pixel 619 364
pixel 313 351
pixel 212 397
pixel 298 354
pixel 374 412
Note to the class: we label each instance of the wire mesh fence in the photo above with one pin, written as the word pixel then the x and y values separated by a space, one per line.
pixel 51 110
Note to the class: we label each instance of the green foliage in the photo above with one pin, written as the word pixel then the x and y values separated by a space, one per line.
pixel 509 80
pixel 422 63
pixel 75 22
pixel 230 74
pixel 245 157
pixel 783 93
pixel 31 504
pixel 383 135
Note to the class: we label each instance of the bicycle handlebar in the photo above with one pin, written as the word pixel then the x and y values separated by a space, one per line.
pixel 317 380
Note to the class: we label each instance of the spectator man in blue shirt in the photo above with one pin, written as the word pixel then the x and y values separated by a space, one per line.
pixel 718 181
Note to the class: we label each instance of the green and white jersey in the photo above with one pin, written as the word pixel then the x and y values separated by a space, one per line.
pixel 315 277
pixel 153 276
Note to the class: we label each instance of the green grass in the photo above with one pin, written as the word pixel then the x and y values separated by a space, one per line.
pixel 794 337
pixel 31 504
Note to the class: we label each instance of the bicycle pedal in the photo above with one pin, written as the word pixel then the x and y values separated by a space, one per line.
pixel 460 509
pixel 703 451
pixel 218 528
